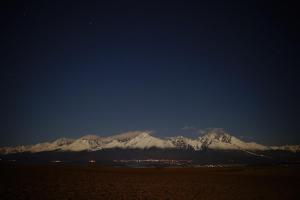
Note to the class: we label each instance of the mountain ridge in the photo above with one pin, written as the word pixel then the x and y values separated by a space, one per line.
pixel 216 140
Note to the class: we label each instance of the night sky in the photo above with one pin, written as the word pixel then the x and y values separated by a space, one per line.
pixel 69 69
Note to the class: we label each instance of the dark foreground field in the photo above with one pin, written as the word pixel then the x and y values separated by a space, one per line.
pixel 94 182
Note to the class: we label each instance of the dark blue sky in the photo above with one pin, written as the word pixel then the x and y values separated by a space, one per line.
pixel 70 69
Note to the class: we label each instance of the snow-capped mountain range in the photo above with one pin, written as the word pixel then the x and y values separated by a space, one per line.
pixel 217 140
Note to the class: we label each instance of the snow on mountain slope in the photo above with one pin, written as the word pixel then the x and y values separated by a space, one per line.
pixel 17 149
pixel 222 140
pixel 40 147
pixel 181 142
pixel 292 148
pixel 144 141
pixel 123 137
pixel 136 139
pixel 88 143
pixel 113 143
pixel 212 139
pixel 50 146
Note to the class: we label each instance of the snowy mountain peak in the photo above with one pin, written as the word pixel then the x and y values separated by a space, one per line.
pixel 91 137
pixel 216 138
pixel 216 134
pixel 219 139
pixel 63 141
pixel 181 142
pixel 222 137
pixel 130 135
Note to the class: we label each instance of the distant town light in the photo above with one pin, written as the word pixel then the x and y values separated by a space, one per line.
pixel 56 161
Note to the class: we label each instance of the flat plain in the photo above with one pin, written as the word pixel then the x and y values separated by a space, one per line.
pixel 96 182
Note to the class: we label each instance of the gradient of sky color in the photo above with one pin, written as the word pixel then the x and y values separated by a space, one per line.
pixel 70 69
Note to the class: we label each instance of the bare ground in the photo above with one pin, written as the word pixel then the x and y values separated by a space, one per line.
pixel 44 182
